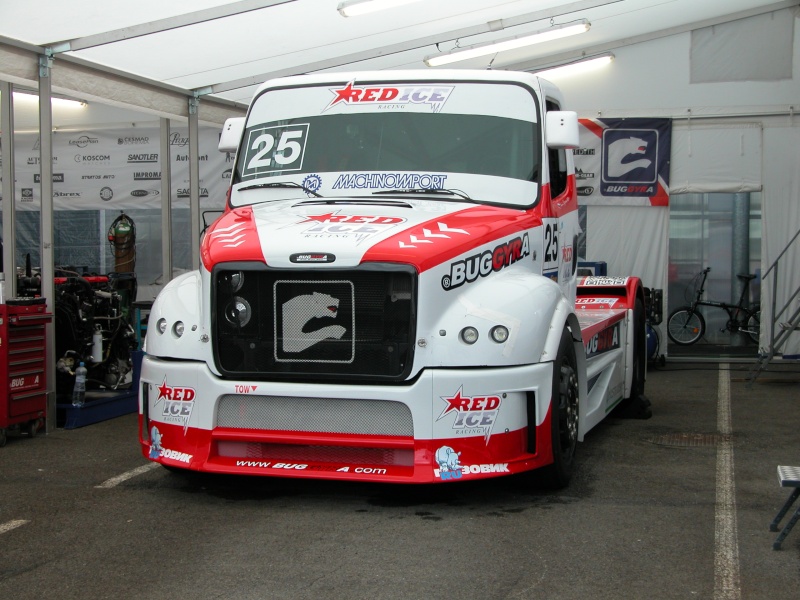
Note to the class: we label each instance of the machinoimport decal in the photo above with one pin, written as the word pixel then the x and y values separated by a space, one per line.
pixel 404 181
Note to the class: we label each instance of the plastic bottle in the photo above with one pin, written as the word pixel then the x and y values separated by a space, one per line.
pixel 79 391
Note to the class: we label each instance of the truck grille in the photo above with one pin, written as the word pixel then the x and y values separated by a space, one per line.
pixel 355 324
pixel 315 415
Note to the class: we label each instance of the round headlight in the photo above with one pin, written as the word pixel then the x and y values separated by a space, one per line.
pixel 469 335
pixel 499 334
pixel 237 280
pixel 178 328
pixel 161 325
pixel 238 312
pixel 232 281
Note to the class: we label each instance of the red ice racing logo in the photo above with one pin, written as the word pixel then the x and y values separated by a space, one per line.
pixel 474 414
pixel 178 403
pixel 386 95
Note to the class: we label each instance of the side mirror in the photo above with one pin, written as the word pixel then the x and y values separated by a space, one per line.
pixel 231 135
pixel 561 129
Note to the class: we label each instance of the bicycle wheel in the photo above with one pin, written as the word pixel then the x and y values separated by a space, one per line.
pixel 754 326
pixel 685 326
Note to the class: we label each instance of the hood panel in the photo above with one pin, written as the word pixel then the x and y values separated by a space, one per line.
pixel 337 234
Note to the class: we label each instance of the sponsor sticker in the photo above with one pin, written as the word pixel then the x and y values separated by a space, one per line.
pixel 450 467
pixel 487 262
pixel 176 402
pixel 157 450
pixel 390 96
pixel 474 415
pixel 602 342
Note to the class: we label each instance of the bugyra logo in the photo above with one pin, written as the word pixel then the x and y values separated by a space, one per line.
pixel 605 341
pixel 487 262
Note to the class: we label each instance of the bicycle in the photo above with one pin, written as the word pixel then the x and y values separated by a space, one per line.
pixel 686 325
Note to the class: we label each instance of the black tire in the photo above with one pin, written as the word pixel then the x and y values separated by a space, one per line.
pixel 564 412
pixel 685 326
pixel 754 326
pixel 3 437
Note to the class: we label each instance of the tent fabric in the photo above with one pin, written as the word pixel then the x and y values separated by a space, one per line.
pixel 752 49
pixel 780 222
pixel 716 158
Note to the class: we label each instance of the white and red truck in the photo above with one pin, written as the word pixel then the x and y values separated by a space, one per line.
pixel 392 291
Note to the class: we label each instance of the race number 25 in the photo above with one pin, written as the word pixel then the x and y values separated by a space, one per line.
pixel 278 148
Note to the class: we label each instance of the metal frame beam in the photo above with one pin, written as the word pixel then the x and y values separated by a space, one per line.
pixel 176 22
pixel 166 205
pixel 9 187
pixel 47 257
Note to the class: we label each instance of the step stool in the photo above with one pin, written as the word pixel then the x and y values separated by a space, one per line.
pixel 789 477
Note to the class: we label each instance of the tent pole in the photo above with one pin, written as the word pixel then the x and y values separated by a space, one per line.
pixel 47 259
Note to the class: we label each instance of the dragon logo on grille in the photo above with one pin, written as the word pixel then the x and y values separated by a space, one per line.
pixel 299 311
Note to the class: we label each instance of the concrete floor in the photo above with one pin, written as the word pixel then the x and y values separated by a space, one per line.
pixel 675 506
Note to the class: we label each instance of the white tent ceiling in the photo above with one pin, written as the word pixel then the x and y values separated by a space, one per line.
pixel 229 56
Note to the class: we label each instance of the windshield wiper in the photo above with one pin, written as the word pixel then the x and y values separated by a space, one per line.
pixel 281 184
pixel 436 191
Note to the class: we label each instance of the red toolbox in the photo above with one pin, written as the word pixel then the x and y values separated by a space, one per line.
pixel 23 373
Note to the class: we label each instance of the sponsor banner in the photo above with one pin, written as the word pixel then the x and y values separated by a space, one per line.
pixel 119 169
pixel 623 161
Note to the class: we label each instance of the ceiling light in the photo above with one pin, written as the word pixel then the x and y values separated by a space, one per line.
pixel 354 8
pixel 54 101
pixel 553 33
pixel 576 68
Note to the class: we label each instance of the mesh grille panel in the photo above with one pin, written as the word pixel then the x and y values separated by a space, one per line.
pixel 324 415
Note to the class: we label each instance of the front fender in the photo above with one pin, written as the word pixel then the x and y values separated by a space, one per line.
pixel 181 301
pixel 529 305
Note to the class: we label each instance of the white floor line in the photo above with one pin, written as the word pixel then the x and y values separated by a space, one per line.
pixel 114 481
pixel 726 545
pixel 8 526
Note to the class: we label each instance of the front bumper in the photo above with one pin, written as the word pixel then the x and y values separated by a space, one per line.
pixel 448 424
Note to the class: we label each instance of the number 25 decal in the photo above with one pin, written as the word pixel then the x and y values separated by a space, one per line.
pixel 277 148
pixel 550 243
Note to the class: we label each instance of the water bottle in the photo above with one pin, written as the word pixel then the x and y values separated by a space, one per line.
pixel 79 391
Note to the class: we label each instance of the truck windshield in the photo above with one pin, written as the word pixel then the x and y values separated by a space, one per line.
pixel 484 140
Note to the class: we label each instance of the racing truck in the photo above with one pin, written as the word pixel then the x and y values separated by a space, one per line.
pixel 391 293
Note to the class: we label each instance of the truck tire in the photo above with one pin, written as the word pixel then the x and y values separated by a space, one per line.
pixel 563 414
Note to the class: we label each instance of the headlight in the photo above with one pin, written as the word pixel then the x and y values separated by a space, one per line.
pixel 178 329
pixel 469 335
pixel 238 312
pixel 499 333
pixel 161 325
pixel 232 281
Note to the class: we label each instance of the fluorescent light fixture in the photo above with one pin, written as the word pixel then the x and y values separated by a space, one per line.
pixel 576 68
pixel 54 101
pixel 553 33
pixel 353 8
